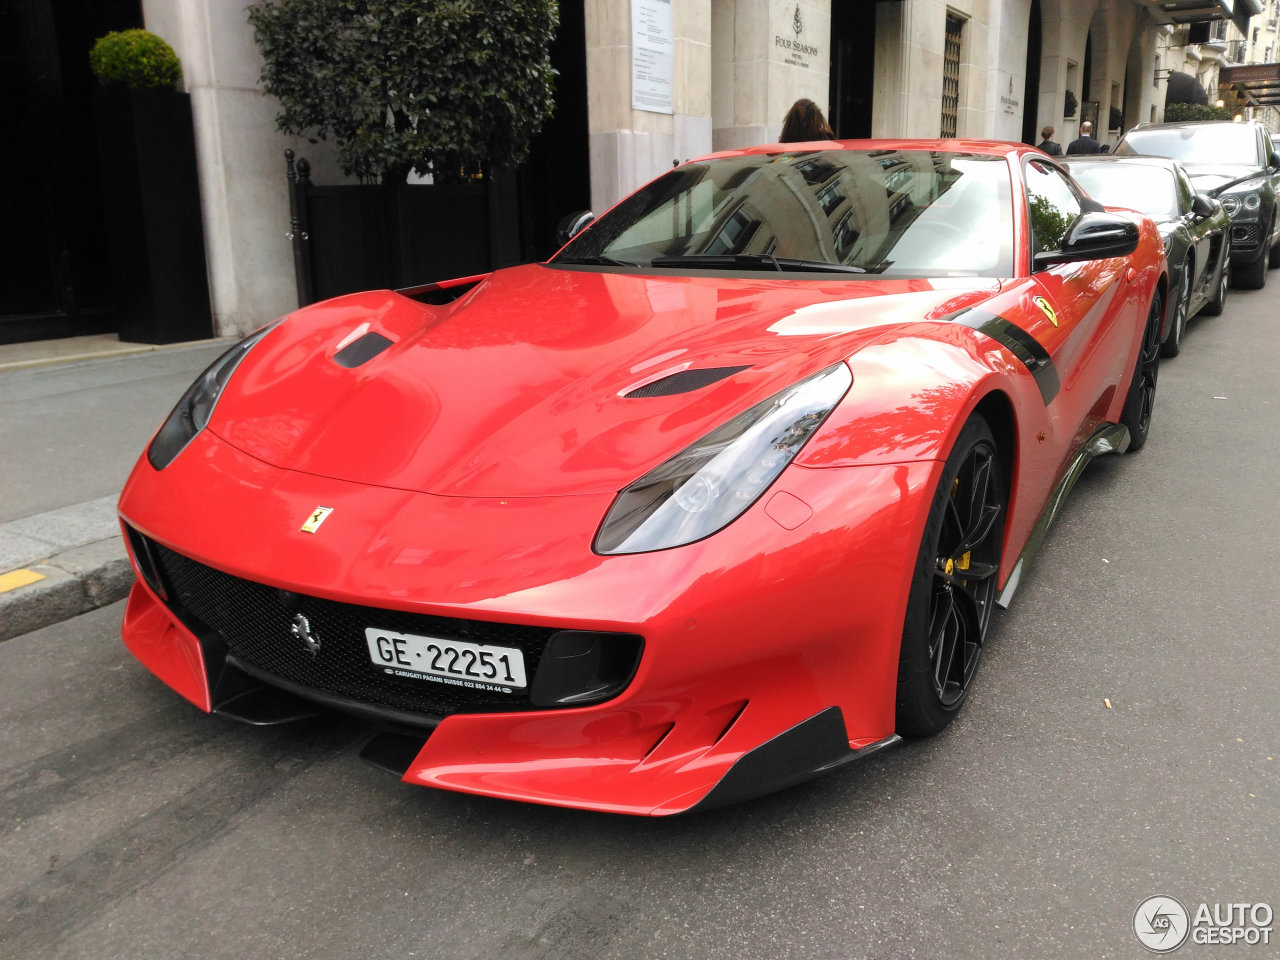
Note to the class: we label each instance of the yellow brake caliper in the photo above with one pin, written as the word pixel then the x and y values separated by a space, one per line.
pixel 963 562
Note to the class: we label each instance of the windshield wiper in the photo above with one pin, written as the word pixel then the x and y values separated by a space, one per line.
pixel 753 261
pixel 600 261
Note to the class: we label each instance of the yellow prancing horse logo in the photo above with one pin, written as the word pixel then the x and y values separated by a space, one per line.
pixel 317 517
pixel 1047 310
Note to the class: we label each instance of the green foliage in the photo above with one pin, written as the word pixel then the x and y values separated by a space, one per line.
pixel 1175 112
pixel 1069 104
pixel 1048 224
pixel 1115 119
pixel 136 58
pixel 450 87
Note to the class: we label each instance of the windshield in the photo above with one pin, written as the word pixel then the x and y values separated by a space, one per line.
pixel 1139 186
pixel 884 212
pixel 1210 143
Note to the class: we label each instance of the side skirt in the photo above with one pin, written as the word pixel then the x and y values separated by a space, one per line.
pixel 1111 438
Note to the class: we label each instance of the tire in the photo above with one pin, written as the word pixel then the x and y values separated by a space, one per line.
pixel 1140 401
pixel 1215 306
pixel 1182 306
pixel 1274 260
pixel 947 611
pixel 1250 276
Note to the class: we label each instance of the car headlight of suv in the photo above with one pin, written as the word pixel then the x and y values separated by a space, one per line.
pixel 1237 204
pixel 709 484
pixel 192 412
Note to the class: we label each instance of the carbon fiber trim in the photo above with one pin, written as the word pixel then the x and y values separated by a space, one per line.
pixel 686 381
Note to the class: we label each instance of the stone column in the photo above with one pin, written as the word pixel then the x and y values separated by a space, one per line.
pixel 767 54
pixel 240 158
pixel 629 147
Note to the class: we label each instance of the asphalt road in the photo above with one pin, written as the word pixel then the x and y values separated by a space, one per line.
pixel 132 826
pixel 72 432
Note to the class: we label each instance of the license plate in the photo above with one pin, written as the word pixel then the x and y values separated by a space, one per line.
pixel 459 663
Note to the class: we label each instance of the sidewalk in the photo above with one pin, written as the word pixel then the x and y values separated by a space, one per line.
pixel 63 562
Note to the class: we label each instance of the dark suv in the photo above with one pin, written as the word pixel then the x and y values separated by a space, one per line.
pixel 1236 163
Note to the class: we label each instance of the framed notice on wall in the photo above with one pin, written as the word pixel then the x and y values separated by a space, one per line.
pixel 652 55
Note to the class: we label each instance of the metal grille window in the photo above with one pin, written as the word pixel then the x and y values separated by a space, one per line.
pixel 951 75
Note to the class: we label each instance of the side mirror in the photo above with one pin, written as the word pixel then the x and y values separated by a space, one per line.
pixel 573 224
pixel 1203 206
pixel 1094 236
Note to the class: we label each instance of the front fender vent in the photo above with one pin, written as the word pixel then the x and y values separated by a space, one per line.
pixel 686 381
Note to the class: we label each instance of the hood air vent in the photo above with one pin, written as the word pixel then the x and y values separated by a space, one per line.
pixel 686 381
pixel 361 350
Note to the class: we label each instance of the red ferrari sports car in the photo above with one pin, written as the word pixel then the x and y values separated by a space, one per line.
pixel 720 497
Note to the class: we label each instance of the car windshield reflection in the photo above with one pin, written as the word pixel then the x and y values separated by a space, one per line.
pixel 1146 188
pixel 879 212
pixel 1218 143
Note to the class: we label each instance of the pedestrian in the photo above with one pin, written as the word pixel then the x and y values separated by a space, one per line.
pixel 803 122
pixel 1084 143
pixel 1047 145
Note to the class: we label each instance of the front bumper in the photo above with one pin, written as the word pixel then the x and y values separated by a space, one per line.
pixel 787 613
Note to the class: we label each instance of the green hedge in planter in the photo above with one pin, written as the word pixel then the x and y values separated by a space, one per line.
pixel 135 58
pixel 1174 112
pixel 450 87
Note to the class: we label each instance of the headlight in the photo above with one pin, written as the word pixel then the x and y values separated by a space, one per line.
pixel 1243 201
pixel 709 484
pixel 191 415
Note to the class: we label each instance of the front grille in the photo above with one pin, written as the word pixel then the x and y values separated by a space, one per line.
pixel 1244 234
pixel 253 620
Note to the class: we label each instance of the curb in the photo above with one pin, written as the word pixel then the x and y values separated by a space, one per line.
pixel 72 583
pixel 110 352
pixel 60 564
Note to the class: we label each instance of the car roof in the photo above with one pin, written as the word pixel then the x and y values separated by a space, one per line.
pixel 1125 158
pixel 1182 124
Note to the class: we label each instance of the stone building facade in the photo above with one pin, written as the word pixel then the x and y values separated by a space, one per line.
pixel 672 79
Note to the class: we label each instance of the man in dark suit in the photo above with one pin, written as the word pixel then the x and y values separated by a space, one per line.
pixel 1047 145
pixel 1084 143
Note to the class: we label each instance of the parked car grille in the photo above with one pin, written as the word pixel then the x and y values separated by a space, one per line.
pixel 1244 234
pixel 255 620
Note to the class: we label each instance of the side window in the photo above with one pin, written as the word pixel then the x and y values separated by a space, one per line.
pixel 1051 205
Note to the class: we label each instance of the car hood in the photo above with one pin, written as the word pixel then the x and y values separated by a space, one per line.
pixel 525 386
pixel 1207 177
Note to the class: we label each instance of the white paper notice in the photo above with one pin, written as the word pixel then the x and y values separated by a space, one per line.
pixel 652 55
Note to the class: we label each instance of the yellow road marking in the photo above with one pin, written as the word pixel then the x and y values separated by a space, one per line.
pixel 18 578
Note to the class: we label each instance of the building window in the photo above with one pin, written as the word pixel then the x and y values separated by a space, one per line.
pixel 951 75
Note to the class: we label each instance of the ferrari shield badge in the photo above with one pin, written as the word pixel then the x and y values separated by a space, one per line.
pixel 1047 310
pixel 317 517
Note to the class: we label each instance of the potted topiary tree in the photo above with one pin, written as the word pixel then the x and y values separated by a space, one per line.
pixel 452 90
pixel 147 163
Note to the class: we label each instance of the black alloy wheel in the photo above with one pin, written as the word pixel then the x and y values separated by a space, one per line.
pixel 1140 401
pixel 953 590
pixel 1181 307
